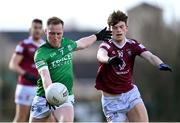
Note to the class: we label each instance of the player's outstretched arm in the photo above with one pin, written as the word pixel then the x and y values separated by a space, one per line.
pixel 156 61
pixel 102 56
pixel 88 41
pixel 46 80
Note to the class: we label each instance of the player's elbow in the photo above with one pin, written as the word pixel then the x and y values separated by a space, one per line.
pixel 82 46
pixel 84 43
pixel 98 58
pixel 101 59
pixel 12 66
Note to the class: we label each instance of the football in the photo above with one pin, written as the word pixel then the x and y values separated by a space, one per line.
pixel 56 94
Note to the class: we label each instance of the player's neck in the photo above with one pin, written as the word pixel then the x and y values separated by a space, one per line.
pixel 120 42
pixel 55 45
pixel 37 40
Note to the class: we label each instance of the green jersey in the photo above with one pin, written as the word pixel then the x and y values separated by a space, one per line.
pixel 59 63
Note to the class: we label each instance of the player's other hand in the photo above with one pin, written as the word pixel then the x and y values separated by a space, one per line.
pixel 165 67
pixel 50 106
pixel 30 77
pixel 104 35
pixel 115 60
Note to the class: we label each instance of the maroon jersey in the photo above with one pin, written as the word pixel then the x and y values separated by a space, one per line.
pixel 117 80
pixel 27 49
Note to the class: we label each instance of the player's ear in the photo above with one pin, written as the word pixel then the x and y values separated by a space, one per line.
pixel 109 27
pixel 126 27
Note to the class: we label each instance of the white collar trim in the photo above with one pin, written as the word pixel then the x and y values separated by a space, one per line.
pixel 120 46
pixel 36 43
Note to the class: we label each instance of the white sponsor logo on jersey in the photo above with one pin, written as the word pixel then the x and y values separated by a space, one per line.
pixel 123 72
pixel 60 62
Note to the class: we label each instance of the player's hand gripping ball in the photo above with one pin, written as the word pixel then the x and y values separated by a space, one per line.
pixel 56 94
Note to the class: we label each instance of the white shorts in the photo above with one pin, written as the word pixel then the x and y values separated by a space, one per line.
pixel 116 107
pixel 40 109
pixel 24 95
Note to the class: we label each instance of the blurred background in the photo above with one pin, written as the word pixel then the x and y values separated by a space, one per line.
pixel 155 23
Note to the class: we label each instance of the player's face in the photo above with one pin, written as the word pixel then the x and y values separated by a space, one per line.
pixel 119 31
pixel 54 34
pixel 36 31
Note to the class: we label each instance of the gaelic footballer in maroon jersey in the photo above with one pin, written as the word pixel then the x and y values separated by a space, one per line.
pixel 118 79
pixel 121 99
pixel 22 62
pixel 27 49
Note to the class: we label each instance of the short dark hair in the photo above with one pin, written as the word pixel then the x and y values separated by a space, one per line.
pixel 54 21
pixel 37 21
pixel 115 17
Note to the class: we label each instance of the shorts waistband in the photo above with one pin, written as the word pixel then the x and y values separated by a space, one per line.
pixel 118 95
pixel 45 96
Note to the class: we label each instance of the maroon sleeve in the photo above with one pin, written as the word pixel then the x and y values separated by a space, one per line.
pixel 138 47
pixel 20 48
pixel 105 46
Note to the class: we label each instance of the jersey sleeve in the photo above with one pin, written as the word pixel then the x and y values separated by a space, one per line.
pixel 105 46
pixel 40 61
pixel 20 48
pixel 72 45
pixel 138 48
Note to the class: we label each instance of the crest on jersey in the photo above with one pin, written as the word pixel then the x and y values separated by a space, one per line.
pixel 70 48
pixel 129 52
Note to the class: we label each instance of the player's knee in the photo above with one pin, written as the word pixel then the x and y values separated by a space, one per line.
pixel 143 117
pixel 69 119
pixel 66 119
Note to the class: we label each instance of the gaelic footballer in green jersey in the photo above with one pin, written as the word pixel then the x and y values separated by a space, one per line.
pixel 59 63
pixel 54 63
